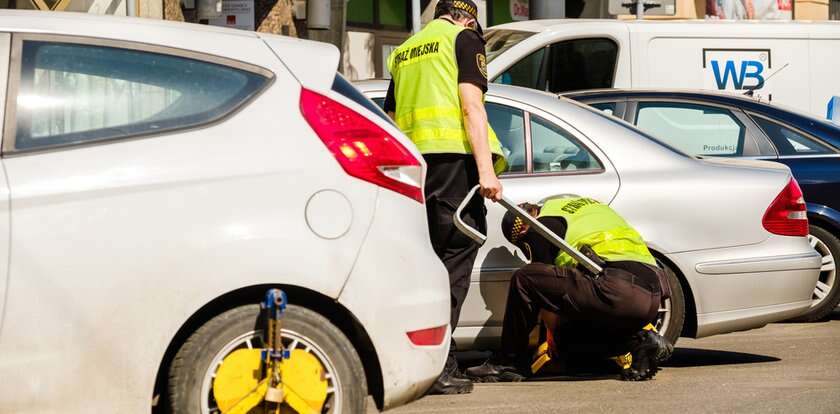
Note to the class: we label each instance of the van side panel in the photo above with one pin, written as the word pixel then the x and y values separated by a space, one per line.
pixel 729 63
pixel 825 73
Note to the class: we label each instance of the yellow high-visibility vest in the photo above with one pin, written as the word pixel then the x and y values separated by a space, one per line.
pixel 598 226
pixel 425 73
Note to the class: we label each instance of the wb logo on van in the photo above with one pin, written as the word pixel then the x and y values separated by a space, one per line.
pixel 735 69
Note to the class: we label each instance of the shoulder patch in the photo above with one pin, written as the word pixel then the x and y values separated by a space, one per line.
pixel 481 61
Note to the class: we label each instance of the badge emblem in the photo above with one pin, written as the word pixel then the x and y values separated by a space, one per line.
pixel 481 61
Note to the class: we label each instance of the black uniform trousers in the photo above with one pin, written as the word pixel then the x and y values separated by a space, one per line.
pixel 606 311
pixel 448 179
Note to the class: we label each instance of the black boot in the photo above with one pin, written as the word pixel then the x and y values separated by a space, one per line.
pixel 449 382
pixel 648 350
pixel 498 370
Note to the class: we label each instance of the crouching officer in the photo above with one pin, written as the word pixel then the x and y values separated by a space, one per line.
pixel 612 307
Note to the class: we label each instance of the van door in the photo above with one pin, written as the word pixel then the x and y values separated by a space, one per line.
pixel 5 231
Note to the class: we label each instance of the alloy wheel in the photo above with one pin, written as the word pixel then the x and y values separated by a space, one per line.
pixel 828 271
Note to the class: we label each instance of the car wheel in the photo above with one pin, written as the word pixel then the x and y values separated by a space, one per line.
pixel 827 292
pixel 193 369
pixel 671 317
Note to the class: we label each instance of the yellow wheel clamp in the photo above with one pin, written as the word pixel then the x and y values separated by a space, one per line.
pixel 273 380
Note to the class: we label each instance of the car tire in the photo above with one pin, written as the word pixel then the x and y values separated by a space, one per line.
pixel 193 366
pixel 675 306
pixel 827 245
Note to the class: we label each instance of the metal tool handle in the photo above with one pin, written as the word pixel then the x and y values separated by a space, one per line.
pixel 540 228
pixel 464 227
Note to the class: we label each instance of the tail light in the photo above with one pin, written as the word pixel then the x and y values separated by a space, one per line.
pixel 362 148
pixel 428 337
pixel 787 215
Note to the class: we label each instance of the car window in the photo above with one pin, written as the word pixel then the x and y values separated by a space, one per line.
pixel 556 150
pixel 380 102
pixel 607 107
pixel 790 142
pixel 692 128
pixel 527 73
pixel 509 125
pixel 581 64
pixel 73 93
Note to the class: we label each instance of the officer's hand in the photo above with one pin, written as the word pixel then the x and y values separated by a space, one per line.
pixel 491 187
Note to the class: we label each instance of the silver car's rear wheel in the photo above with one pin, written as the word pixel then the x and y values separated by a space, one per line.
pixel 671 316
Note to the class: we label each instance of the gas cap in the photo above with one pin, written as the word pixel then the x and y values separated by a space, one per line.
pixel 329 214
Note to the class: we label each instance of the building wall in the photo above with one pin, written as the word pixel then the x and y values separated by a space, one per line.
pixel 810 10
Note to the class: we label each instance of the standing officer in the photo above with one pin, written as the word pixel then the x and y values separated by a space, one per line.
pixel 436 97
pixel 612 308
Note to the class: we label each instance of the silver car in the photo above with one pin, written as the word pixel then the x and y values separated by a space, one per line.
pixel 715 224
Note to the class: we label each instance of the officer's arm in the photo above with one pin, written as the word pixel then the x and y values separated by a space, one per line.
pixel 390 105
pixel 475 123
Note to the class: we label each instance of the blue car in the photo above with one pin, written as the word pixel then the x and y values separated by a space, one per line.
pixel 721 125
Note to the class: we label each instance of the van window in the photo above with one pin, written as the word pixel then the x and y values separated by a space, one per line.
pixel 74 93
pixel 581 64
pixel 693 128
pixel 528 72
pixel 497 41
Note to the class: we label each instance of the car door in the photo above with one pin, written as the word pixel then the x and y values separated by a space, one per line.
pixel 547 158
pixel 5 233
pixel 696 128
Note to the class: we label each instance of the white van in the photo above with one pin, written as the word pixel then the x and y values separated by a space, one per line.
pixel 792 63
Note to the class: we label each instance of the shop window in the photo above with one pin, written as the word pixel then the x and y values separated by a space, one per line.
pixel 75 93
pixel 379 14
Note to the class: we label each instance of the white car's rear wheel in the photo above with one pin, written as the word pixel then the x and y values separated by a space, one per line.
pixel 194 367
pixel 827 291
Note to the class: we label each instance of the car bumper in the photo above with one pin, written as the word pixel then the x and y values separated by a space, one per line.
pixel 747 287
pixel 399 285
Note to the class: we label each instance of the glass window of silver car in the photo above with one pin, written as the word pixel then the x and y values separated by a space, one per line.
pixel 256 80
pixel 547 53
pixel 584 142
pixel 750 148
pixel 798 131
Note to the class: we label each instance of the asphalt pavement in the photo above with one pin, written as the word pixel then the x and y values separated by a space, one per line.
pixel 781 368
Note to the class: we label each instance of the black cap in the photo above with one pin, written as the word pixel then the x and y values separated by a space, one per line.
pixel 465 5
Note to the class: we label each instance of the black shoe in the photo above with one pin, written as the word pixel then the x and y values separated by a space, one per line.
pixel 664 348
pixel 449 384
pixel 646 348
pixel 493 372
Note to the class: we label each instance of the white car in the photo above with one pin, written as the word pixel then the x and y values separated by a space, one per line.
pixel 157 178
pixel 730 233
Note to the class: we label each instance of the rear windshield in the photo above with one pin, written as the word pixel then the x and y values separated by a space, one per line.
pixel 345 88
pixel 500 40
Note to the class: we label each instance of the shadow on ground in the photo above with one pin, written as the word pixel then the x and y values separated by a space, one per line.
pixel 693 357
